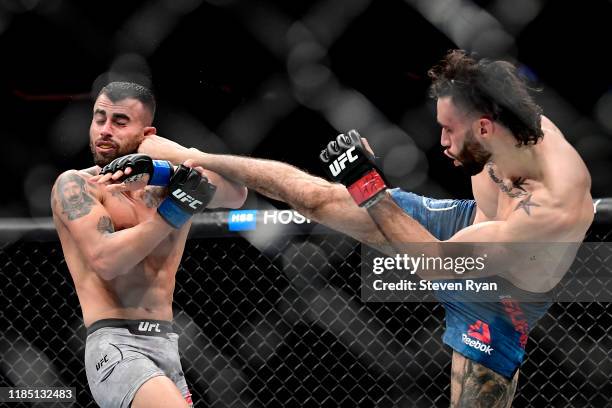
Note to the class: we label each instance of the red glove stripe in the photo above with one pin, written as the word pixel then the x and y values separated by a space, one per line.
pixel 366 187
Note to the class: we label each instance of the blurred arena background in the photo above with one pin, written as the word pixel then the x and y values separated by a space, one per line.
pixel 254 77
pixel 276 79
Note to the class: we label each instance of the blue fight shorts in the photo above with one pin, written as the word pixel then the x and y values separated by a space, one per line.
pixel 492 333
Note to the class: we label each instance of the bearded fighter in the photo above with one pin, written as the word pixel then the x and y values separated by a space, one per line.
pixel 529 185
pixel 123 250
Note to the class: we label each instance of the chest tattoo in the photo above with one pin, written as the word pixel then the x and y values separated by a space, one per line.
pixel 526 204
pixel 515 189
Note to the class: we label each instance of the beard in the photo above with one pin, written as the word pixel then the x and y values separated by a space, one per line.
pixel 102 159
pixel 473 156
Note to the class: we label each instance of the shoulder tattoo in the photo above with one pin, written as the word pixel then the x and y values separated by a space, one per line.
pixel 73 195
pixel 92 171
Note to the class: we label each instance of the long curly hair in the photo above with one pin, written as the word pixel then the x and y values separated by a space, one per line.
pixel 491 88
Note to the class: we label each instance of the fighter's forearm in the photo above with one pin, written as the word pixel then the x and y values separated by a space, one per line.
pixel 230 194
pixel 402 232
pixel 407 236
pixel 119 252
pixel 397 226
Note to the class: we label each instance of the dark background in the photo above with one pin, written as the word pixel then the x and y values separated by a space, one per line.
pixel 277 79
pixel 282 325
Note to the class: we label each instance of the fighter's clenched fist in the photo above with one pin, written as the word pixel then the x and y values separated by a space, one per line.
pixel 133 167
pixel 347 161
pixel 188 194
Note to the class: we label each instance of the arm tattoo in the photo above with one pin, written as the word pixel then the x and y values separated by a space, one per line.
pixel 135 178
pixel 513 191
pixel 105 225
pixel 525 204
pixel 74 197
pixel 153 196
pixel 481 387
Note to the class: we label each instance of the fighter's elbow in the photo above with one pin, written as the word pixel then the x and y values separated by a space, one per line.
pixel 103 271
pixel 238 198
pixel 103 267
pixel 107 276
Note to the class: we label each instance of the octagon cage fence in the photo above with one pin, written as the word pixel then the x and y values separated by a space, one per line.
pixel 272 317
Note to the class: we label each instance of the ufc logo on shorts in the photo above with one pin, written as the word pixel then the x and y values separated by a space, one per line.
pixel 186 198
pixel 102 361
pixel 340 163
pixel 148 327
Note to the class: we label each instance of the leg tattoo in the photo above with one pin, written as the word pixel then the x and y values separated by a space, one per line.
pixel 476 386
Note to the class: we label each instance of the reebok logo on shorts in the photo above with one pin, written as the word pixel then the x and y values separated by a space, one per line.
pixel 478 337
pixel 480 331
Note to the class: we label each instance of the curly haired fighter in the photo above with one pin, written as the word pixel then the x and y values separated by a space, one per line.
pixel 529 185
pixel 528 182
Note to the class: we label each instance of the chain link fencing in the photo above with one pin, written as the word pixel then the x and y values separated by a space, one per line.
pixel 279 323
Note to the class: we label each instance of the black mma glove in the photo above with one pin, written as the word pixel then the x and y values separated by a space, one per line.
pixel 188 194
pixel 346 161
pixel 159 171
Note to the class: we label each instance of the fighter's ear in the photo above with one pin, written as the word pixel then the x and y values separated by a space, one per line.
pixel 486 126
pixel 150 130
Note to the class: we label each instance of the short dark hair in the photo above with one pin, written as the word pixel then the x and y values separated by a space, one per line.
pixel 492 88
pixel 118 91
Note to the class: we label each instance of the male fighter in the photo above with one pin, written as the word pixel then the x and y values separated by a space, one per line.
pixel 535 188
pixel 123 251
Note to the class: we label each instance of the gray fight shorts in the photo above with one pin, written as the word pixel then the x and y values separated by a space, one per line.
pixel 121 355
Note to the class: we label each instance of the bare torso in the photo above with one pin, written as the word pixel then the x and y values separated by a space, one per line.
pixel 146 291
pixel 564 182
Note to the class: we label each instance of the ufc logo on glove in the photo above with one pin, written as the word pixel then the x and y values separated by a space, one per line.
pixel 186 198
pixel 347 161
pixel 340 163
